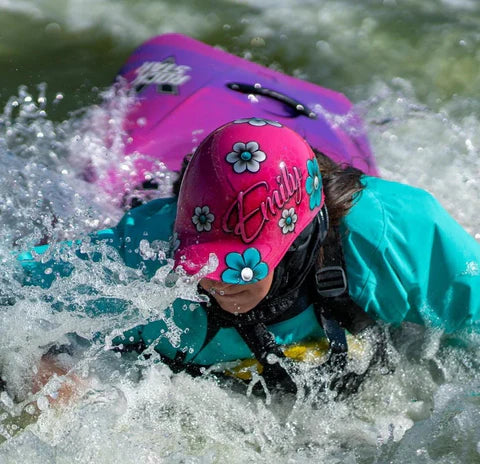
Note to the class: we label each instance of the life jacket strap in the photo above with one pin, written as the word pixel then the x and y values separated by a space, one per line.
pixel 264 347
pixel 336 336
pixel 334 301
pixel 331 281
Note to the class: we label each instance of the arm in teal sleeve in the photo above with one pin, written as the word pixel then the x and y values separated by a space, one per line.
pixel 140 240
pixel 137 230
pixel 452 280
pixel 442 277
pixel 145 233
pixel 181 330
pixel 43 264
pixel 409 260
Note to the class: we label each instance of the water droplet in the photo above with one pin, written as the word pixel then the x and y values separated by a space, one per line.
pixel 42 403
pixel 6 400
pixel 53 28
pixel 257 42
pixel 30 409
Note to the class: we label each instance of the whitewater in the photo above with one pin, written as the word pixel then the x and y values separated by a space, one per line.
pixel 409 67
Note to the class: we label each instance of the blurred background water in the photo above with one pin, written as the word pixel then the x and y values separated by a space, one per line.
pixel 411 68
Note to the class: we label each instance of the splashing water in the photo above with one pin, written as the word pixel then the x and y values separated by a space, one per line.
pixel 428 149
pixel 132 409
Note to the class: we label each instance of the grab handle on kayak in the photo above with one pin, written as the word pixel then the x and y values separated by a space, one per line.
pixel 297 106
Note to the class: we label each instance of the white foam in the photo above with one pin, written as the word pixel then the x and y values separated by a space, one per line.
pixel 426 412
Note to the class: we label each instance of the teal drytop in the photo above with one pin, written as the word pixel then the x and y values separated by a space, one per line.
pixel 407 259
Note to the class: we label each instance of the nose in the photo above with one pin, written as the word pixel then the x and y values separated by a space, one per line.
pixel 209 283
pixel 214 286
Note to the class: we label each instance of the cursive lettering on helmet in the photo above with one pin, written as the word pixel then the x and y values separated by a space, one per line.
pixel 238 219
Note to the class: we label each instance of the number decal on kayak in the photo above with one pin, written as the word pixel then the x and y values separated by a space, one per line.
pixel 167 75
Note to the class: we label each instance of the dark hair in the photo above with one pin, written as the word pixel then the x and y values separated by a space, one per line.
pixel 341 184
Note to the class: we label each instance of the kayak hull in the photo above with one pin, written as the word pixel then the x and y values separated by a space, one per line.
pixel 184 89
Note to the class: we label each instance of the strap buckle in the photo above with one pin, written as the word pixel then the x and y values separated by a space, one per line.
pixel 331 281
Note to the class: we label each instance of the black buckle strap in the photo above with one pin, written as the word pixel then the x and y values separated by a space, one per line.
pixel 262 344
pixel 336 336
pixel 331 281
pixel 332 288
pixel 260 341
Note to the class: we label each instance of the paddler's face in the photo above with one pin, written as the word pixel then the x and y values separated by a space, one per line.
pixel 238 298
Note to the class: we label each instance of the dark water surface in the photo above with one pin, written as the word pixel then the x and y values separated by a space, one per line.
pixel 75 46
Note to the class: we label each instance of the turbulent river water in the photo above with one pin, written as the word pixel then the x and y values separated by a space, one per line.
pixel 410 67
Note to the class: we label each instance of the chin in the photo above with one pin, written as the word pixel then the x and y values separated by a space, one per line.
pixel 235 309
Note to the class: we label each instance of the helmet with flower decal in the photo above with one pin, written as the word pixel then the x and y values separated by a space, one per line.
pixel 250 189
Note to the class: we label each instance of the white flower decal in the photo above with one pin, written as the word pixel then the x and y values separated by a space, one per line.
pixel 203 219
pixel 258 122
pixel 246 157
pixel 288 220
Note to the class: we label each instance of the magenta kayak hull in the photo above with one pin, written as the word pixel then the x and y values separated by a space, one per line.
pixel 184 89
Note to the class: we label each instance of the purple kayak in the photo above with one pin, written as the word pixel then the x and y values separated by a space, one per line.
pixel 185 89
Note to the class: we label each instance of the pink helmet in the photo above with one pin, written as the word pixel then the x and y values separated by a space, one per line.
pixel 249 190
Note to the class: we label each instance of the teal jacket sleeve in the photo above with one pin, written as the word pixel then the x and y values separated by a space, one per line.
pixel 43 264
pixel 409 260
pixel 145 233
pixel 139 239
